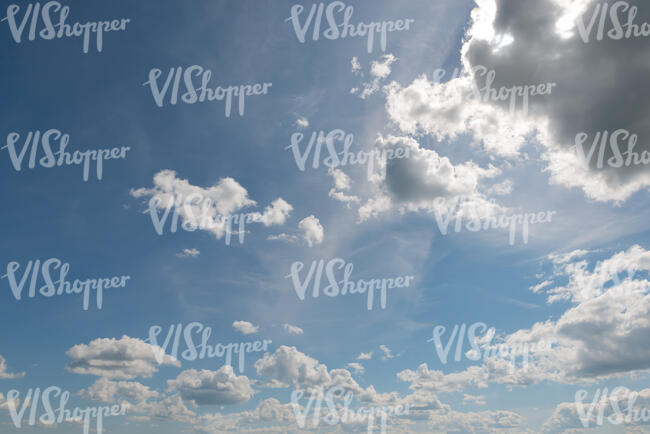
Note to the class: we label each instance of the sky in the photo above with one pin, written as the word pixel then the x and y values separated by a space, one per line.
pixel 575 288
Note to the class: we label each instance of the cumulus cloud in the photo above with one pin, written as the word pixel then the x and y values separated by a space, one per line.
pixel 191 253
pixel 603 334
pixel 170 408
pixel 245 327
pixel 365 356
pixel 302 122
pixel 221 387
pixel 123 358
pixel 206 208
pixel 310 231
pixel 292 330
pixel 379 71
pixel 532 42
pixel 484 421
pixel 387 352
pixel 610 409
pixel 108 391
pixel 478 400
pixel 418 182
pixel 4 375
pixel 356 367
pixel 290 367
pixel 341 183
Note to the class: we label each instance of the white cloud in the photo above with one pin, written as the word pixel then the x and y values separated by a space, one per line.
pixel 341 182
pixel 4 375
pixel 537 288
pixel 290 367
pixel 196 204
pixel 356 66
pixel 125 358
pixel 478 400
pixel 379 71
pixel 188 253
pixel 567 415
pixel 302 122
pixel 604 334
pixel 562 258
pixel 485 421
pixel 245 327
pixel 310 231
pixel 221 387
pixel 293 330
pixel 387 352
pixel 108 391
pixel 365 356
pixel 171 408
pixel 356 367
pixel 415 183
pixel 500 189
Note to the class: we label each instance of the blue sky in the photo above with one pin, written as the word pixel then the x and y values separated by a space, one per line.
pixel 101 230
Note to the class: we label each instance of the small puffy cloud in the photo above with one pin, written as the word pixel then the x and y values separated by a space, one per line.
pixel 537 288
pixel 4 375
pixel 500 189
pixel 341 182
pixel 108 391
pixel 293 330
pixel 478 400
pixel 206 208
pixel 356 367
pixel 563 258
pixel 379 70
pixel 206 387
pixel 302 122
pixel 356 66
pixel 123 358
pixel 290 366
pixel 365 356
pixel 310 231
pixel 387 352
pixel 188 253
pixel 245 327
pixel 171 408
